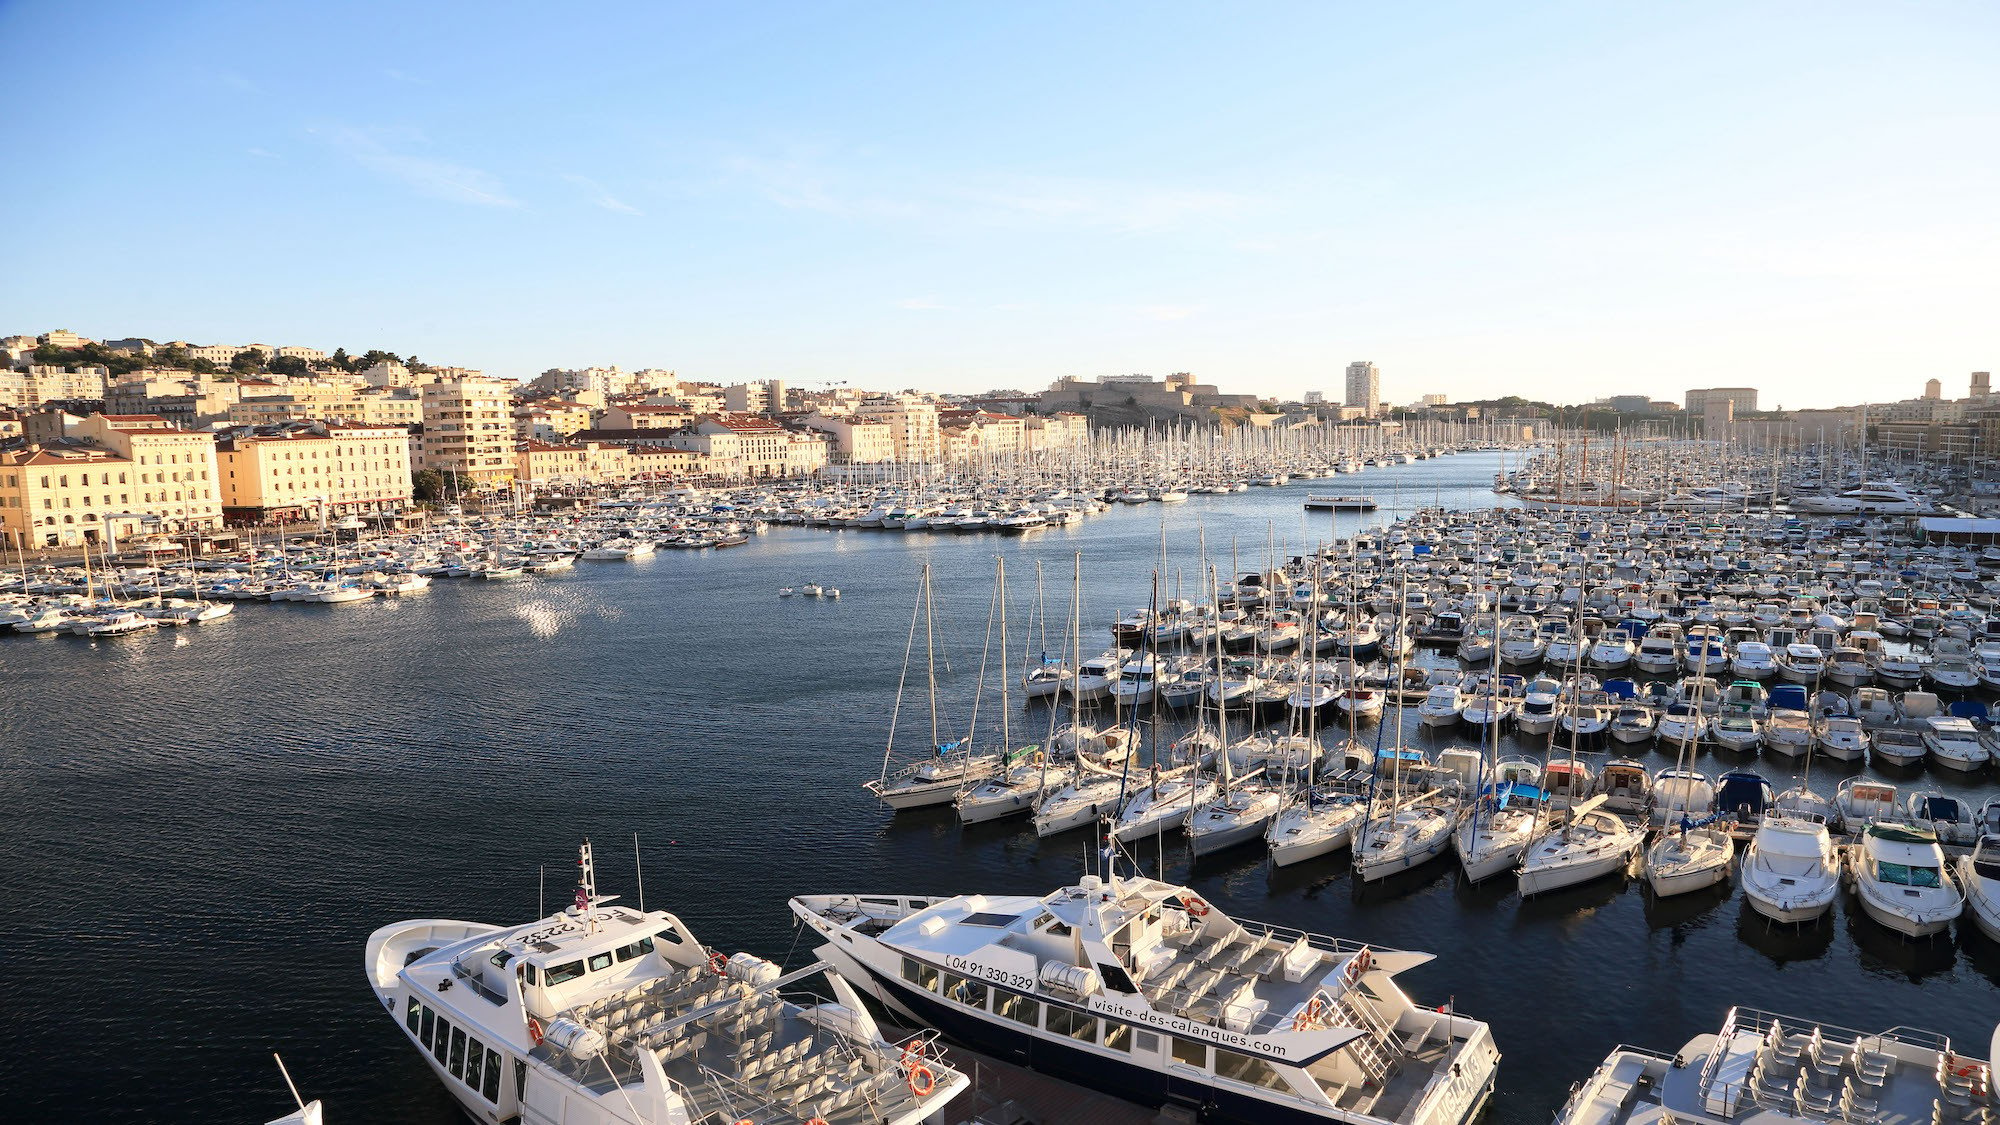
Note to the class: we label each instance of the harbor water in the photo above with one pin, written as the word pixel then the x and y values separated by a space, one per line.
pixel 204 825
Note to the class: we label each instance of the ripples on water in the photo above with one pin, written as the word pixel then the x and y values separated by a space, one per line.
pixel 202 826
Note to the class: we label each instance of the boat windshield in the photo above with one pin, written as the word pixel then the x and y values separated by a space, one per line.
pixel 1905 875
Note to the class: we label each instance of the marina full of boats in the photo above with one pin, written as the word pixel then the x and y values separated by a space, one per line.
pixel 1158 799
pixel 1600 640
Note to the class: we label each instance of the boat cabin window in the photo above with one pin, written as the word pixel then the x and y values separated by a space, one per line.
pixel 1243 1068
pixel 1076 1025
pixel 600 962
pixel 986 919
pixel 413 1016
pixel 922 975
pixel 564 973
pixel 440 1044
pixel 489 1086
pixel 457 1063
pixel 970 993
pixel 528 972
pixel 424 1033
pixel 1116 979
pixel 1189 1053
pixel 475 1062
pixel 1904 875
pixel 1117 1036
pixel 501 958
pixel 1042 922
pixel 638 948
pixel 1018 1008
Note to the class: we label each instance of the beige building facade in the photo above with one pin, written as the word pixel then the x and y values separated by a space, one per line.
pixel 300 471
pixel 469 430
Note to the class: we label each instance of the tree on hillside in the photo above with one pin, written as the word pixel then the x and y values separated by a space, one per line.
pixel 340 360
pixel 248 361
pixel 290 365
pixel 427 484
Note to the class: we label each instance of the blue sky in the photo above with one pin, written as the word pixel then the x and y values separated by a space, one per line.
pixel 1561 200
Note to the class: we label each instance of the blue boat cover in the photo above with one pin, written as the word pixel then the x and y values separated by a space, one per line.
pixel 1969 709
pixel 1742 792
pixel 1620 689
pixel 1788 697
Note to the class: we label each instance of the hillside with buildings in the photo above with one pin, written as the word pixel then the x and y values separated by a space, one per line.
pixel 105 438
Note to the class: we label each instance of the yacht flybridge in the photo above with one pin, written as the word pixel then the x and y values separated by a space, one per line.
pixel 1767 1068
pixel 1140 988
pixel 607 1015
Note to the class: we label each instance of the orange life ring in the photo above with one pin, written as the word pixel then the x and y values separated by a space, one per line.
pixel 1195 907
pixel 913 1052
pixel 1315 1009
pixel 812 1121
pixel 718 964
pixel 922 1081
pixel 535 1030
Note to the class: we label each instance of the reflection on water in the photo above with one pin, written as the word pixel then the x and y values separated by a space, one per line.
pixel 204 825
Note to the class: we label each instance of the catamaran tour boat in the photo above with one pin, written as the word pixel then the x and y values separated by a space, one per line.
pixel 608 1015
pixel 1777 1069
pixel 1141 989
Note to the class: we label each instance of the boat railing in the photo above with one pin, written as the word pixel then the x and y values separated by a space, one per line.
pixel 477 980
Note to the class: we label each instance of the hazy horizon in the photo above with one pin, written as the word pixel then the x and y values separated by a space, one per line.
pixel 1561 201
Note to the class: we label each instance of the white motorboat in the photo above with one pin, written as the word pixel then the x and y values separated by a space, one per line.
pixel 1763 1067
pixel 1612 651
pixel 1801 663
pixel 1141 988
pixel 1788 733
pixel 1442 705
pixel 1588 844
pixel 1954 743
pixel 1901 879
pixel 1895 746
pixel 1841 738
pixel 608 1015
pixel 1537 713
pixel 1753 660
pixel 1634 722
pixel 1952 818
pixel 1979 879
pixel 1095 676
pixel 1791 871
pixel 1859 802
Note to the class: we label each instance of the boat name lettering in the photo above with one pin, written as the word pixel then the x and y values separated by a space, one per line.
pixel 1181 1025
pixel 997 976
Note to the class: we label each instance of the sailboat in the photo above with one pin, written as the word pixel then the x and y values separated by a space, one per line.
pixel 936 779
pixel 1404 835
pixel 1588 843
pixel 1502 820
pixel 1692 851
pixel 1027 772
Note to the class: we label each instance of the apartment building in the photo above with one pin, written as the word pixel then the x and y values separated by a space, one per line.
pixel 469 430
pixel 301 469
pixel 325 402
pixel 913 425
